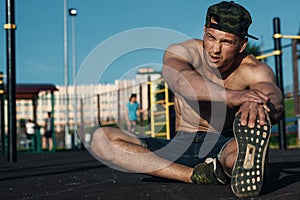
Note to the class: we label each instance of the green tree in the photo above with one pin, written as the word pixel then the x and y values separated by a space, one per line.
pixel 253 49
pixel 161 95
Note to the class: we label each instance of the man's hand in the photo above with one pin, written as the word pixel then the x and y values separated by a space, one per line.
pixel 239 97
pixel 250 111
pixel 253 105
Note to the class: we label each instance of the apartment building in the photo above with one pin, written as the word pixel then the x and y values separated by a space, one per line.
pixel 80 105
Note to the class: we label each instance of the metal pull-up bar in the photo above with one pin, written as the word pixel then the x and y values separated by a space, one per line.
pixel 10 28
pixel 277 52
pixel 279 79
pixel 278 35
pixel 278 68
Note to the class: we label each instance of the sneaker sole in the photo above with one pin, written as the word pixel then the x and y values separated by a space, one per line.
pixel 248 172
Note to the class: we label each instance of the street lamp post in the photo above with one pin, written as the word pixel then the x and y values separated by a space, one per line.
pixel 73 13
pixel 66 69
pixel 10 28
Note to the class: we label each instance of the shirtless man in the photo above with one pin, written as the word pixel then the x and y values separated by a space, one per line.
pixel 225 101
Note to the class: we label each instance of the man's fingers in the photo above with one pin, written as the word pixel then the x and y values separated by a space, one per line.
pixel 262 95
pixel 262 115
pixel 244 117
pixel 250 112
pixel 266 107
pixel 259 97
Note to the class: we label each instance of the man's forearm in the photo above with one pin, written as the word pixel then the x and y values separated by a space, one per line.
pixel 193 86
pixel 276 106
pixel 275 103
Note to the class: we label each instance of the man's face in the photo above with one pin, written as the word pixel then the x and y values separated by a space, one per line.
pixel 221 48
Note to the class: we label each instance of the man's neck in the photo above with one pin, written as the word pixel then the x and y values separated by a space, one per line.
pixel 230 68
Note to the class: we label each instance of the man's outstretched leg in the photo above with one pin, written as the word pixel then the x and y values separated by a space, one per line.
pixel 126 151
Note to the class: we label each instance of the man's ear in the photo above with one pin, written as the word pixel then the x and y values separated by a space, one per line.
pixel 243 45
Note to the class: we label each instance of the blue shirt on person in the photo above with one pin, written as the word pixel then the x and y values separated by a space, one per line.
pixel 132 109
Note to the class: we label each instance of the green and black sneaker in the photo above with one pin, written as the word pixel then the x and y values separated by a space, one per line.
pixel 249 169
pixel 209 172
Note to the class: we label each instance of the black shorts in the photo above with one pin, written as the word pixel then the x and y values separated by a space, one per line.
pixel 188 149
pixel 48 134
pixel 30 136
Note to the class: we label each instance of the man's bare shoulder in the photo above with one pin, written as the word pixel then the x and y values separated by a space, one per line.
pixel 249 73
pixel 191 44
pixel 186 50
pixel 254 70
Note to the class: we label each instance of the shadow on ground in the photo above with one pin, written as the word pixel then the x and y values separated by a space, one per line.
pixel 281 175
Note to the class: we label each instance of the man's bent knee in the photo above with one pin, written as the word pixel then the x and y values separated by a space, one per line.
pixel 229 155
pixel 101 142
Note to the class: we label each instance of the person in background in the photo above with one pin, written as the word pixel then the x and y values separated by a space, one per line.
pixel 132 108
pixel 30 132
pixel 47 139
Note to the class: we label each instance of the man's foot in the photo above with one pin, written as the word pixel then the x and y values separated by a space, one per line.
pixel 209 172
pixel 248 172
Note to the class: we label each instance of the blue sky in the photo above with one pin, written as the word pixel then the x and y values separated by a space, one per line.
pixel 39 34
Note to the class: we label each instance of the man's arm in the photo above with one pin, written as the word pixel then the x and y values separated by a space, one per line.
pixel 263 81
pixel 275 102
pixel 183 79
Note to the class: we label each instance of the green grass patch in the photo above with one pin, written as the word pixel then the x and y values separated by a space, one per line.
pixel 289 108
pixel 291 141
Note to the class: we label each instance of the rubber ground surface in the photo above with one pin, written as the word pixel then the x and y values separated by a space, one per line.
pixel 77 175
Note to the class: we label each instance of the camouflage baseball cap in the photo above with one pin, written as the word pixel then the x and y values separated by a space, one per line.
pixel 230 17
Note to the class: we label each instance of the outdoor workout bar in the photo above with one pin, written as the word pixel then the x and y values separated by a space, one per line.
pixel 279 79
pixel 10 28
